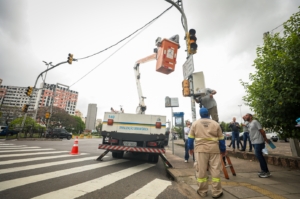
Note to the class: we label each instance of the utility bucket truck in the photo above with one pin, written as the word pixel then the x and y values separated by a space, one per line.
pixel 141 133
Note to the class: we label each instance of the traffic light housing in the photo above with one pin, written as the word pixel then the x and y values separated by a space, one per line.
pixel 70 58
pixel 47 115
pixel 185 88
pixel 25 108
pixel 191 41
pixel 29 90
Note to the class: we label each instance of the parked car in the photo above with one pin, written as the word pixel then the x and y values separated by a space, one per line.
pixel 10 131
pixel 58 133
pixel 272 136
pixel 228 135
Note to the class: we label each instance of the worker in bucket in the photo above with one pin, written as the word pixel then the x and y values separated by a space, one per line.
pixel 209 143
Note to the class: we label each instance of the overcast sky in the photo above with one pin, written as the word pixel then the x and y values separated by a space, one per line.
pixel 228 33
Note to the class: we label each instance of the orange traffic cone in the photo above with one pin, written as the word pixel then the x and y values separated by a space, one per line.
pixel 75 148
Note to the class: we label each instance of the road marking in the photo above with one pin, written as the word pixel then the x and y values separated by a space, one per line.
pixel 35 159
pixel 27 154
pixel 46 176
pixel 6 144
pixel 33 147
pixel 25 150
pixel 93 185
pixel 37 166
pixel 147 191
pixel 12 146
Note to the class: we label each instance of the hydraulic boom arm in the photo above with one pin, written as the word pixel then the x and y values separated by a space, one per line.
pixel 141 107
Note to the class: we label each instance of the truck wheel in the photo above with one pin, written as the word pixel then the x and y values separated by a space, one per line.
pixel 69 137
pixel 155 158
pixel 114 154
pixel 120 155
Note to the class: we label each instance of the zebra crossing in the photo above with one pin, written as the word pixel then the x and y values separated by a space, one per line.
pixel 21 154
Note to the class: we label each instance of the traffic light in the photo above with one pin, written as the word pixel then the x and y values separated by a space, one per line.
pixel 185 88
pixel 25 108
pixel 70 58
pixel 29 90
pixel 191 41
pixel 47 115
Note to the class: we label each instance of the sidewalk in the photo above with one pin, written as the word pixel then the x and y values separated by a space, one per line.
pixel 284 182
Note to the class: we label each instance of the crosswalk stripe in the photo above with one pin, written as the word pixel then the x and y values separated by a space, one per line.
pixel 27 154
pixel 33 147
pixel 36 159
pixel 1 146
pixel 6 144
pixel 46 176
pixel 37 166
pixel 93 185
pixel 25 150
pixel 148 192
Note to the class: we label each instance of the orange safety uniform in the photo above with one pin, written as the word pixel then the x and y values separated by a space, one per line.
pixel 207 134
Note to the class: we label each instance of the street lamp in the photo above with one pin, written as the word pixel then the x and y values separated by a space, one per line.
pixel 240 111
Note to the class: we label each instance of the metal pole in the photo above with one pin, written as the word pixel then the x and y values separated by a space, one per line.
pixel 181 10
pixel 172 130
pixel 40 91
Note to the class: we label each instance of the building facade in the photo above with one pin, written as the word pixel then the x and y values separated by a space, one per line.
pixel 90 122
pixel 15 96
pixel 98 121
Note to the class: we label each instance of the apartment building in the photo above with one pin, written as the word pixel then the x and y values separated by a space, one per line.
pixel 64 98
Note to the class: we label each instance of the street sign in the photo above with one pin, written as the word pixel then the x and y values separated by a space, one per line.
pixel 171 102
pixel 178 114
pixel 188 67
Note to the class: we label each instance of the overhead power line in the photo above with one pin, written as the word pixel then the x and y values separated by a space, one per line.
pixel 127 36
pixel 145 27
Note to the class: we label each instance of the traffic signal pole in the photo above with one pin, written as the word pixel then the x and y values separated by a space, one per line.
pixel 193 104
pixel 23 122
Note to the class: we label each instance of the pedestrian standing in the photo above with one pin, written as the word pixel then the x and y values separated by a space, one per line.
pixel 246 135
pixel 209 143
pixel 210 104
pixel 186 135
pixel 235 128
pixel 258 139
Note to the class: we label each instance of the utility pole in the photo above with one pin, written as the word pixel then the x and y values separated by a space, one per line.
pixel 181 10
pixel 241 111
pixel 40 91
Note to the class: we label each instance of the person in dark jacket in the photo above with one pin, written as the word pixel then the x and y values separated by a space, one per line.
pixel 235 128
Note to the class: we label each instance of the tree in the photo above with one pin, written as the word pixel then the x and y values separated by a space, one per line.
pixel 179 130
pixel 274 94
pixel 99 127
pixel 10 113
pixel 80 125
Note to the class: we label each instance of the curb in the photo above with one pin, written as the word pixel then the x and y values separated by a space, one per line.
pixel 284 161
pixel 38 139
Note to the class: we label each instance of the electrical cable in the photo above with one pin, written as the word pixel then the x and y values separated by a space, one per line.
pixel 114 52
pixel 127 36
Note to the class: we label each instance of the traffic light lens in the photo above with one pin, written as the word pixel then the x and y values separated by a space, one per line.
pixel 192 32
pixel 193 39
pixel 194 46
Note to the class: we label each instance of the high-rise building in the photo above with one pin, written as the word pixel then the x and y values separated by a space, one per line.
pixel 15 96
pixel 90 122
pixel 98 121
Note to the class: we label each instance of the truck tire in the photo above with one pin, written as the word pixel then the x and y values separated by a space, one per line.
pixel 69 137
pixel 114 154
pixel 155 159
pixel 120 155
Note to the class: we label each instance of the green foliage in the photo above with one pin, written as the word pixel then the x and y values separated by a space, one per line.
pixel 274 94
pixel 29 122
pixel 99 127
pixel 79 126
pixel 179 130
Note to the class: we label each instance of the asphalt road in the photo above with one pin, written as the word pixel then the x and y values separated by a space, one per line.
pixel 44 169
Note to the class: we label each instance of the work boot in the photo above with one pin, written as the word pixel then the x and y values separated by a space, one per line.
pixel 221 194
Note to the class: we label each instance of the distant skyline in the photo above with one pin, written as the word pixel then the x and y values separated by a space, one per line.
pixel 228 34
